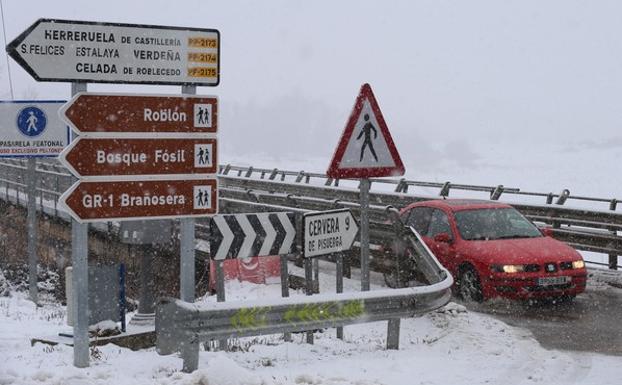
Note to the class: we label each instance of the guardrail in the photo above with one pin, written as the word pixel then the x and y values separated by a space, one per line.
pixel 182 326
pixel 244 189
pixel 584 229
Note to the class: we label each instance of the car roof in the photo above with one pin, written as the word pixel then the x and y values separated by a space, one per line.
pixel 461 204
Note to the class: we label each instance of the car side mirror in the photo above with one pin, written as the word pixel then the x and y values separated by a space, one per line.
pixel 442 237
pixel 547 231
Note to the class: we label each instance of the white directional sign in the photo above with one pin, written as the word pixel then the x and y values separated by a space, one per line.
pixel 32 128
pixel 328 232
pixel 64 50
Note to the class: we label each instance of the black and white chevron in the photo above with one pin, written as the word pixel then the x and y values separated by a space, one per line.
pixel 248 235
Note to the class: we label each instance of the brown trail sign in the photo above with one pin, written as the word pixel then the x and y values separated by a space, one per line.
pixel 93 114
pixel 120 200
pixel 97 157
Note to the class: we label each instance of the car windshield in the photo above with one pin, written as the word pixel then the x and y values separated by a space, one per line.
pixel 494 223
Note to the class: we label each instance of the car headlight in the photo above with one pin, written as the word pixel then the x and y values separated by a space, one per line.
pixel 578 264
pixel 510 269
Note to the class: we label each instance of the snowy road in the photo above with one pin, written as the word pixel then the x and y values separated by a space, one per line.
pixel 592 323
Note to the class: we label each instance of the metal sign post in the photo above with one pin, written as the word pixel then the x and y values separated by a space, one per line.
pixel 365 150
pixel 364 194
pixel 187 265
pixel 32 230
pixel 79 255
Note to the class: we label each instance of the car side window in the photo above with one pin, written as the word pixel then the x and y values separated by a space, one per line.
pixel 439 223
pixel 419 218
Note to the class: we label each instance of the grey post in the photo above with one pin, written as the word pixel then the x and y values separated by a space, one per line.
pixel 613 257
pixel 364 196
pixel 309 282
pixel 220 295
pixel 393 334
pixel 285 289
pixel 186 257
pixel 79 255
pixel 339 285
pixel 32 230
pixel 146 305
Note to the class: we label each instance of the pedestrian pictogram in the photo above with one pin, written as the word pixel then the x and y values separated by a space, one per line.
pixel 202 115
pixel 202 197
pixel 366 148
pixel 31 121
pixel 203 153
pixel 366 130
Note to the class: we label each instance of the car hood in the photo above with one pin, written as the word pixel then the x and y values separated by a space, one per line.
pixel 521 251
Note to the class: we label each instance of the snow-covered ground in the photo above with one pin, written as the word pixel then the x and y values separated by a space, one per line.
pixel 448 346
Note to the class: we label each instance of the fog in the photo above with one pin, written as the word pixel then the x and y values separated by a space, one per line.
pixel 461 84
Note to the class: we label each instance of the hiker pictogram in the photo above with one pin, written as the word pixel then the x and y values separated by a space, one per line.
pixel 366 130
pixel 202 115
pixel 203 155
pixel 202 197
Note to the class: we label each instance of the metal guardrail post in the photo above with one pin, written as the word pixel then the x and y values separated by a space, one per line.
pixel 496 193
pixel 613 258
pixel 339 284
pixel 563 197
pixel 287 337
pixel 549 198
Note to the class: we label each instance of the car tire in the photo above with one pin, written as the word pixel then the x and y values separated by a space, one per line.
pixel 469 285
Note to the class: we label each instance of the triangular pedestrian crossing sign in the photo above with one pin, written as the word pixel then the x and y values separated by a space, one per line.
pixel 366 148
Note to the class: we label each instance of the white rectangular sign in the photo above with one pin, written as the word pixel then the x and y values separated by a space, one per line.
pixel 32 128
pixel 328 232
pixel 64 50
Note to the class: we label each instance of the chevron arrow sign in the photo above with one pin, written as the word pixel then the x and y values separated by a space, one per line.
pixel 249 235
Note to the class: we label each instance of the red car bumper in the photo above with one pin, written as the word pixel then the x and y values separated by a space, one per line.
pixel 529 286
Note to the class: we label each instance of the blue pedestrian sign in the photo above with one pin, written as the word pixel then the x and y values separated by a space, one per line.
pixel 32 128
pixel 31 121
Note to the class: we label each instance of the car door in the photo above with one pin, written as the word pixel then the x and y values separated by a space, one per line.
pixel 443 249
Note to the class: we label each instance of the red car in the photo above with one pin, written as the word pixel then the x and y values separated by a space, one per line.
pixel 493 251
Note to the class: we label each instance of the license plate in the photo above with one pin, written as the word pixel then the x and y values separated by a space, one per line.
pixel 549 281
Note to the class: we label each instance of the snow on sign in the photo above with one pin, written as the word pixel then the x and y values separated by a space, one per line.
pixel 32 128
pixel 366 148
pixel 328 232
pixel 81 51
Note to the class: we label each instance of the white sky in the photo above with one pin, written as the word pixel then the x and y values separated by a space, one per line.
pixel 454 79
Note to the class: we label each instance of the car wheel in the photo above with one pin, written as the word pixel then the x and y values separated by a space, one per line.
pixel 470 288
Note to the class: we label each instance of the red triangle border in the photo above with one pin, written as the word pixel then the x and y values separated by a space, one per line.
pixel 337 172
